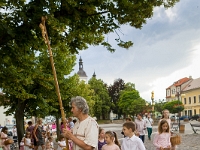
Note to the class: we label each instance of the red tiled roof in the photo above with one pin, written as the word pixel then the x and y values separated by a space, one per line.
pixel 179 82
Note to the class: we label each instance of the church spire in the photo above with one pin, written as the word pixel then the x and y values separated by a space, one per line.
pixel 81 72
pixel 80 64
pixel 94 75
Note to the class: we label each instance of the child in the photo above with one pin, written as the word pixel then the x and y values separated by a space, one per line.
pixel 101 140
pixel 27 141
pixel 48 146
pixel 22 144
pixel 131 142
pixel 140 127
pixel 162 138
pixel 50 140
pixel 4 137
pixel 61 143
pixel 127 119
pixel 112 141
pixel 165 116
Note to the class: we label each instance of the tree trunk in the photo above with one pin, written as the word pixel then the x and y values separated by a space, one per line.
pixel 57 126
pixel 19 115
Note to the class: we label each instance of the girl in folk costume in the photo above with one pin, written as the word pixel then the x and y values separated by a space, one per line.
pixel 162 138
pixel 4 137
pixel 27 141
pixel 112 141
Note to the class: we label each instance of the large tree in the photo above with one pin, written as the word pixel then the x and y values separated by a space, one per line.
pixel 131 103
pixel 114 92
pixel 102 99
pixel 72 24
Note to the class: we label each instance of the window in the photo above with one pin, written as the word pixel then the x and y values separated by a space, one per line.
pixel 194 99
pixel 185 102
pixel 199 98
pixel 195 112
pixel 189 100
pixel 186 112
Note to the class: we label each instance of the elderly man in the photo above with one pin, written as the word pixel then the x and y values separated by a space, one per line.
pixel 85 131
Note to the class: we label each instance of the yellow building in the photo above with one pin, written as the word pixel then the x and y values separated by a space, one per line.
pixel 191 99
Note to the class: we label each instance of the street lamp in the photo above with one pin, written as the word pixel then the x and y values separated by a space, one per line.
pixel 179 113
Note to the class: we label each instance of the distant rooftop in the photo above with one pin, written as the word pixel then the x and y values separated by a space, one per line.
pixel 194 84
pixel 180 82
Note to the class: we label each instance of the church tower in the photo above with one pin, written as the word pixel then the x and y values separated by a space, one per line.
pixel 81 72
pixel 94 75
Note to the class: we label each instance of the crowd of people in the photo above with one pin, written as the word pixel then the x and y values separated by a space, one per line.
pixel 85 133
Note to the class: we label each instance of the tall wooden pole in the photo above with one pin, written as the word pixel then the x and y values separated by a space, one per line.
pixel 46 40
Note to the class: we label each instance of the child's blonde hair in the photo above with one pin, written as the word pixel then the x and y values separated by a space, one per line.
pixel 27 133
pixel 160 130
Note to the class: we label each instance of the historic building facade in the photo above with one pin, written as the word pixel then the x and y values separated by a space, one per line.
pixel 187 90
pixel 191 99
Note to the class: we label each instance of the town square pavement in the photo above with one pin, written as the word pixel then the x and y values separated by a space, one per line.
pixel 189 140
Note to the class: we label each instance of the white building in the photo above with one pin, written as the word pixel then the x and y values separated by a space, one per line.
pixel 5 120
pixel 81 72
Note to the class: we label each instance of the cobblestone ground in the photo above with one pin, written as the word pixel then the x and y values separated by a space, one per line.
pixel 188 142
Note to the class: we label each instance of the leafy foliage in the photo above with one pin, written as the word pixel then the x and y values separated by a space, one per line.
pixel 72 25
pixel 75 23
pixel 159 106
pixel 131 103
pixel 174 106
pixel 114 93
pixel 102 99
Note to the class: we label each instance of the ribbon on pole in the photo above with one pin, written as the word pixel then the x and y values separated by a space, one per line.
pixel 46 40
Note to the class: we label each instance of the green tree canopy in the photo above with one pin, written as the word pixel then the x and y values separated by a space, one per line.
pixel 131 103
pixel 102 99
pixel 174 106
pixel 114 93
pixel 77 23
pixel 72 26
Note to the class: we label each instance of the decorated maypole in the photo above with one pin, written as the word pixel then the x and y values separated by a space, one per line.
pixel 47 42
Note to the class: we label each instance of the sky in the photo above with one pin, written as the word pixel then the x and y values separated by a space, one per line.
pixel 165 50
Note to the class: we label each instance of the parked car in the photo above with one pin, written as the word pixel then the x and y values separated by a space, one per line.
pixel 183 117
pixel 195 117
pixel 174 117
pixel 159 117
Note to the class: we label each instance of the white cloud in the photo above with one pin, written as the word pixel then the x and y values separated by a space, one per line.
pixel 166 49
